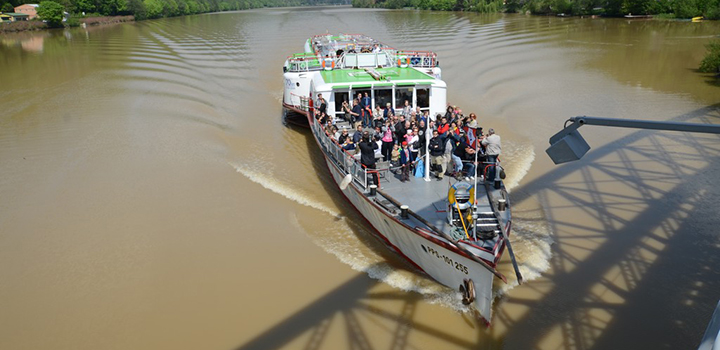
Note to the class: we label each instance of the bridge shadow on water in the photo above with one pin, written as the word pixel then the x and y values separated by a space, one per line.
pixel 636 265
pixel 635 260
pixel 349 307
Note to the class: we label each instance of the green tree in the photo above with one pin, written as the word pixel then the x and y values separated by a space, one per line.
pixel 639 6
pixel 513 6
pixel 711 62
pixel 52 12
pixel 154 8
pixel 87 6
pixel 8 7
pixel 111 7
pixel 137 8
pixel 685 8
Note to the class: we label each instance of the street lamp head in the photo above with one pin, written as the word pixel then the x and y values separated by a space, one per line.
pixel 566 146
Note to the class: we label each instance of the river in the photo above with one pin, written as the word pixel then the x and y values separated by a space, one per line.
pixel 152 198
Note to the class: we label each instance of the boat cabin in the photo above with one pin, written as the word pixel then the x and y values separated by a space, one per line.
pixel 342 66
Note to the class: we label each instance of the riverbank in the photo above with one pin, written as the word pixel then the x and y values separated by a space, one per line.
pixel 15 27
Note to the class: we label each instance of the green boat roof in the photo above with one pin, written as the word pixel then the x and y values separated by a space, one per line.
pixel 356 76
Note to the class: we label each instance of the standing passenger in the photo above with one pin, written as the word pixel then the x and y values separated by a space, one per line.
pixel 492 149
pixel 387 140
pixel 367 155
pixel 322 104
pixel 437 152
pixel 405 162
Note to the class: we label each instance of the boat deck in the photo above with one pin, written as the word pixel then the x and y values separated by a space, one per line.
pixel 429 199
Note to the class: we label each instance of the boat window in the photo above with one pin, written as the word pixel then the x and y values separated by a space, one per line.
pixel 402 94
pixel 339 98
pixel 383 97
pixel 423 98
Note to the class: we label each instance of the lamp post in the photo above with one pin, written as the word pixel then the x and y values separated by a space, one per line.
pixel 568 145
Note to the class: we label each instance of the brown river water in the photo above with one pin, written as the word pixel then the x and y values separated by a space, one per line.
pixel 152 198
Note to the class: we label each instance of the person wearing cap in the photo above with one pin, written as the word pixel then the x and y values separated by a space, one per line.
pixel 492 150
pixel 413 142
pixel 405 162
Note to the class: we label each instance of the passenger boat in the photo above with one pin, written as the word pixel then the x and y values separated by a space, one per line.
pixel 453 230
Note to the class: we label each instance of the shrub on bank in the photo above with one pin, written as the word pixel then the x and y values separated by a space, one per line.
pixel 52 13
pixel 711 62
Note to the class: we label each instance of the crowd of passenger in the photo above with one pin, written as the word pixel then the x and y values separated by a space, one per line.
pixel 458 147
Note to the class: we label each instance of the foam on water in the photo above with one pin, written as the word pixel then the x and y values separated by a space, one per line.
pixel 531 239
pixel 517 159
pixel 266 180
pixel 531 242
pixel 339 240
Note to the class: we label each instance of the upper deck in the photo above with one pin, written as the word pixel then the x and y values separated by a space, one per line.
pixel 355 51
pixel 383 76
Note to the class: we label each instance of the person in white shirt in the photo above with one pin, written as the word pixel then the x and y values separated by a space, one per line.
pixel 492 149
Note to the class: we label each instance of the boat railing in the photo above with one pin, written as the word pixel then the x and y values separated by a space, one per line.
pixel 387 57
pixel 304 62
pixel 304 102
pixel 343 159
pixel 420 59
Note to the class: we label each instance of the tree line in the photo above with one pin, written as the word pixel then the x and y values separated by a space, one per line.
pixel 710 9
pixel 146 9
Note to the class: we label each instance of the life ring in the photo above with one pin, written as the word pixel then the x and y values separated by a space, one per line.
pixel 467 289
pixel 331 64
pixel 463 193
pixel 400 62
pixel 303 65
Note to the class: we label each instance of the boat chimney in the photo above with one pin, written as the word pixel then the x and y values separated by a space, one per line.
pixel 404 211
pixel 373 190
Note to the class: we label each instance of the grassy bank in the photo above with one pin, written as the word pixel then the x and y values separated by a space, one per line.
pixel 22 26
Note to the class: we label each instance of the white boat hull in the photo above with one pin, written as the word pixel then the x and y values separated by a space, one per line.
pixel 443 265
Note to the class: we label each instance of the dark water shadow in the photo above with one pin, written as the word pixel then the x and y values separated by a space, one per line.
pixel 650 281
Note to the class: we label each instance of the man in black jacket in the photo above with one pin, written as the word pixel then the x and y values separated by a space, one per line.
pixel 367 154
pixel 437 153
